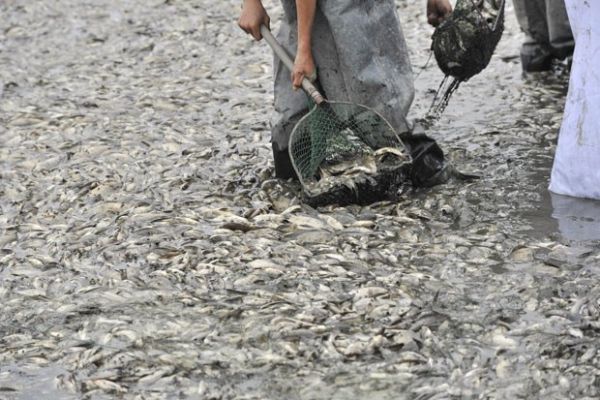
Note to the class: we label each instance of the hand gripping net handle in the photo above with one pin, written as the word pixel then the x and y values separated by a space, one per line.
pixel 307 86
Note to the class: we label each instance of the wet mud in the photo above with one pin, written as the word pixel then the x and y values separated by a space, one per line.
pixel 146 252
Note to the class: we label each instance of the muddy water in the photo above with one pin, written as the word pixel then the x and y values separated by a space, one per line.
pixel 146 251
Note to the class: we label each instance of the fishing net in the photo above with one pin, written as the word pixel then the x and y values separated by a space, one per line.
pixel 464 43
pixel 335 141
pixel 387 185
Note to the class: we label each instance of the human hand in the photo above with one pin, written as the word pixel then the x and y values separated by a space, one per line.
pixel 252 17
pixel 437 11
pixel 304 67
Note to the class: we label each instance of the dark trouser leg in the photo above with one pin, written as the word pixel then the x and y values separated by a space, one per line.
pixel 536 53
pixel 548 33
pixel 290 105
pixel 560 35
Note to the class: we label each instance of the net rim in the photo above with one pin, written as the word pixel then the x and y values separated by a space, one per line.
pixel 299 123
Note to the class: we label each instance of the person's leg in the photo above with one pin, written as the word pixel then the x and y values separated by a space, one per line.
pixel 350 67
pixel 290 105
pixel 536 53
pixel 559 30
pixel 371 56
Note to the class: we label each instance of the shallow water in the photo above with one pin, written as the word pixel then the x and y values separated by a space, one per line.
pixel 31 383
pixel 146 251
pixel 574 220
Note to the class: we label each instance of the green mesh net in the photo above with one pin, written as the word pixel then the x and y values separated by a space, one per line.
pixel 337 139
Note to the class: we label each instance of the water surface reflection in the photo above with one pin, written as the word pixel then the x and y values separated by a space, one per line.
pixel 578 219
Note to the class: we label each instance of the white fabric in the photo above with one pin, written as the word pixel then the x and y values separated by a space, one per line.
pixel 576 170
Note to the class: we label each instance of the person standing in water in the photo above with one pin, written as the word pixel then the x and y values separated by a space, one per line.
pixel 354 50
pixel 548 33
pixel 576 170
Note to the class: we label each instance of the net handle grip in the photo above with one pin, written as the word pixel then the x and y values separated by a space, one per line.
pixel 283 55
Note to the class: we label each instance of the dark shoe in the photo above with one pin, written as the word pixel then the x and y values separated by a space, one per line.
pixel 536 62
pixel 535 56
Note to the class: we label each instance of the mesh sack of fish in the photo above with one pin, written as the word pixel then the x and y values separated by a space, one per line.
pixel 345 153
pixel 464 43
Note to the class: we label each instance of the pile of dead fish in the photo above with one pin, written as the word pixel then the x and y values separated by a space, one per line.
pixel 147 253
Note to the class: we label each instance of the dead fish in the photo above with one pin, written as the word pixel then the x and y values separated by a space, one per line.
pixel 384 153
pixel 350 172
pixel 365 179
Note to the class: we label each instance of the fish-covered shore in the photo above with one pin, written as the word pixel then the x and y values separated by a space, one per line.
pixel 146 252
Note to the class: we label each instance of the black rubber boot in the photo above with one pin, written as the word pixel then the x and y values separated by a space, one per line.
pixel 283 164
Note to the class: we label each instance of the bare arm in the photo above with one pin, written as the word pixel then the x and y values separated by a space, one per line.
pixel 304 65
pixel 252 17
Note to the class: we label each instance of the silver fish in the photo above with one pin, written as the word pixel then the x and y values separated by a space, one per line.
pixel 355 170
